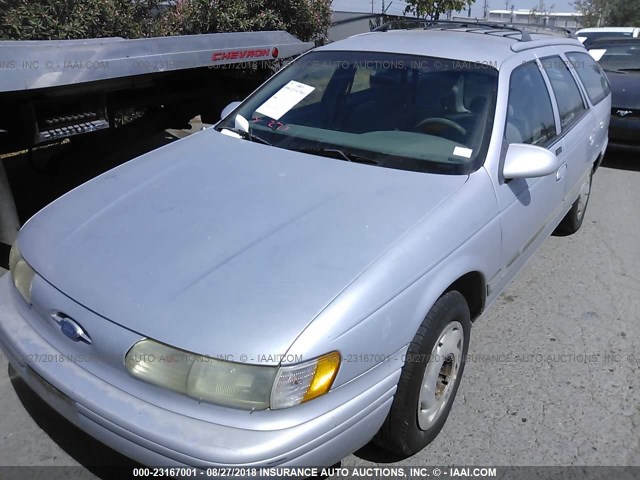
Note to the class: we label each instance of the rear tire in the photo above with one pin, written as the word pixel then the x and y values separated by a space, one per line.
pixel 572 221
pixel 430 378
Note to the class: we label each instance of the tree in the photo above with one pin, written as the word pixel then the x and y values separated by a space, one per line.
pixel 306 19
pixel 68 19
pixel 434 8
pixel 622 13
pixel 609 13
pixel 591 11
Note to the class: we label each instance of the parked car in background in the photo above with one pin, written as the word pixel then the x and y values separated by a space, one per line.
pixel 301 279
pixel 589 35
pixel 620 58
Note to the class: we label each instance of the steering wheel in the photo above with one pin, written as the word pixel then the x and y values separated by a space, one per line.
pixel 428 123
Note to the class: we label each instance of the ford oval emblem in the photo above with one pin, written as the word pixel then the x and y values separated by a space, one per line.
pixel 71 329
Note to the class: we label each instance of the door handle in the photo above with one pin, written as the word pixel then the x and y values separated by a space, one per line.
pixel 558 150
pixel 560 172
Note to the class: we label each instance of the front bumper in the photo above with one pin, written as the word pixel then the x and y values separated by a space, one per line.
pixel 156 436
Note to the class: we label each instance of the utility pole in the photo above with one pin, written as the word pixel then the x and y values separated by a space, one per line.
pixel 486 9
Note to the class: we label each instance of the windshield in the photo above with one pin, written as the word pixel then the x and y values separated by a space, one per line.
pixel 398 111
pixel 619 57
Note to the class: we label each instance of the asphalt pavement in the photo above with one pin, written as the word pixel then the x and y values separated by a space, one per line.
pixel 552 378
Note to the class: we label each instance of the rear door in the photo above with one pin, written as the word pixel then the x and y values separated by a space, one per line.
pixel 576 124
pixel 597 90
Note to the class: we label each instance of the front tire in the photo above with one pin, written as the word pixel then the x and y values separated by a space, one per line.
pixel 430 378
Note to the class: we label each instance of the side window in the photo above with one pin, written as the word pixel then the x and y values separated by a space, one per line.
pixel 529 112
pixel 591 75
pixel 565 89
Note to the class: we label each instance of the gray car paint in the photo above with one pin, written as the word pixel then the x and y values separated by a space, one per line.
pixel 241 243
pixel 424 233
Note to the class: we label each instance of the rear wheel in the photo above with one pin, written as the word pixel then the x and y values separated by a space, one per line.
pixel 572 221
pixel 430 378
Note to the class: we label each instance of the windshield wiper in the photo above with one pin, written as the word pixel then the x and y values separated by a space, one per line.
pixel 339 154
pixel 252 137
pixel 632 69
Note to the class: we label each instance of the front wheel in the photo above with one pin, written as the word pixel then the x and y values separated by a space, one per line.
pixel 572 221
pixel 430 378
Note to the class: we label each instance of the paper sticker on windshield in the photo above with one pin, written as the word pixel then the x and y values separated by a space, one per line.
pixel 597 53
pixel 285 99
pixel 462 152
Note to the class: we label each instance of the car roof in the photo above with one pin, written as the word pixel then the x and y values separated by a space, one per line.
pixel 485 46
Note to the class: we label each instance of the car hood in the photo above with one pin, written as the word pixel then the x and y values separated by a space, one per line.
pixel 221 246
pixel 625 90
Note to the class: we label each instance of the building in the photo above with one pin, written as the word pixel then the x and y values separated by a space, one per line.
pixel 570 20
pixel 350 17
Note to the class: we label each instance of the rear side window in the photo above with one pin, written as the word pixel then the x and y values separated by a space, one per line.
pixel 592 77
pixel 570 104
pixel 529 111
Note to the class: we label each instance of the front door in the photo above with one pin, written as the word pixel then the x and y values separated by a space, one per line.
pixel 529 207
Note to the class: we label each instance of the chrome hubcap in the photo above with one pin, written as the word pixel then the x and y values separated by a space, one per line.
pixel 441 375
pixel 583 198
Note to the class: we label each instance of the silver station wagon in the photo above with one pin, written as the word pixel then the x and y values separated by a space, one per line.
pixel 301 279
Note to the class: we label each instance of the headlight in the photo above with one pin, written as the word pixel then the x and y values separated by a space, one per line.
pixel 238 385
pixel 21 273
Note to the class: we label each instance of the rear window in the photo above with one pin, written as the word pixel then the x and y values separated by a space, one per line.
pixel 619 57
pixel 591 37
pixel 592 77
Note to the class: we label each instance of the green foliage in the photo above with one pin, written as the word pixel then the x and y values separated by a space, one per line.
pixel 609 13
pixel 434 8
pixel 306 19
pixel 67 19
pixel 589 11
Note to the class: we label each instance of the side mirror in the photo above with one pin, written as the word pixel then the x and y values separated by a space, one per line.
pixel 529 161
pixel 228 109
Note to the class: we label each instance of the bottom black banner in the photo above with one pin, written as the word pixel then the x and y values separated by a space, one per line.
pixel 408 472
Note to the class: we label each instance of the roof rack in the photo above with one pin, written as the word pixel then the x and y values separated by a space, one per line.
pixel 543 29
pixel 471 27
